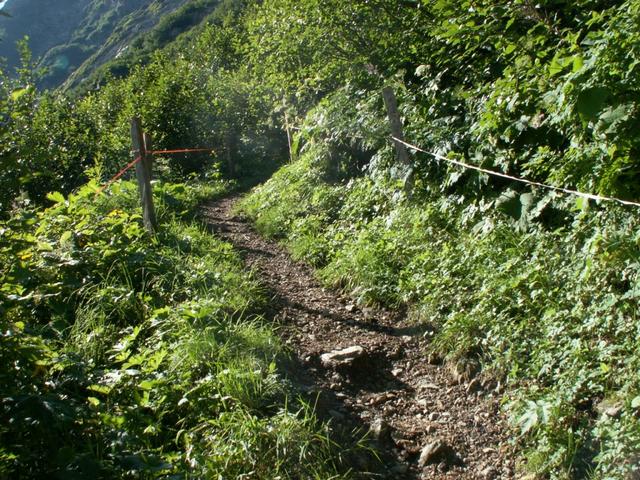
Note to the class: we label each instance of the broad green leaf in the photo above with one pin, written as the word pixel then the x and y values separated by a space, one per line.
pixel 510 49
pixel 578 62
pixel 66 236
pixel 611 116
pixel 104 389
pixel 147 384
pixel 556 67
pixel 17 94
pixel 590 102
pixel 56 197
pixel 582 203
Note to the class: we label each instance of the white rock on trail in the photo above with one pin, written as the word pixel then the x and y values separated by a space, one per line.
pixel 341 358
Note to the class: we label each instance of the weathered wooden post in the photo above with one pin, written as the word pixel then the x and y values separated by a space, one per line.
pixel 143 169
pixel 148 148
pixel 286 126
pixel 229 151
pixel 402 155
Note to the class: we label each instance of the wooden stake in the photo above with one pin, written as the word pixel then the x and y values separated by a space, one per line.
pixel 148 147
pixel 402 155
pixel 286 126
pixel 229 147
pixel 143 168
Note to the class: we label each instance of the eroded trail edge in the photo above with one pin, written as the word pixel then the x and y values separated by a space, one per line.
pixel 427 420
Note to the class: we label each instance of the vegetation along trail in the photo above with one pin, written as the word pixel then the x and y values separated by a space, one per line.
pixel 367 367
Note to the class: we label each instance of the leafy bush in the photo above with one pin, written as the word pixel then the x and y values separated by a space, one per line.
pixel 127 355
pixel 551 312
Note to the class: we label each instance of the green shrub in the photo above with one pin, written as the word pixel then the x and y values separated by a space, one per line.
pixel 130 355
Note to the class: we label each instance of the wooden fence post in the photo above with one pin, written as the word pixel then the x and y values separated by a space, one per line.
pixel 402 155
pixel 229 151
pixel 286 126
pixel 148 148
pixel 143 170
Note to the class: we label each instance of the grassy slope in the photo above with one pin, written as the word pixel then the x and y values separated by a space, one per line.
pixel 541 289
pixel 130 355
pixel 551 312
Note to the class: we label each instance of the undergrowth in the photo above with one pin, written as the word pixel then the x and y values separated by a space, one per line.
pixel 129 356
pixel 553 311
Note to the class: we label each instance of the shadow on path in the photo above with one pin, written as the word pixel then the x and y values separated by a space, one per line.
pixel 390 391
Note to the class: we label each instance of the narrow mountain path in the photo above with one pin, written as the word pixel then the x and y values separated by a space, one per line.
pixel 428 421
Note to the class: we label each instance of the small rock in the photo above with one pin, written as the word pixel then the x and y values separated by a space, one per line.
pixel 613 411
pixel 428 386
pixel 369 312
pixel 396 371
pixel 405 338
pixel 433 416
pixel 610 407
pixel 380 430
pixel 350 307
pixel 435 452
pixel 395 352
pixel 464 369
pixel 344 357
pixel 434 359
pixel 383 397
pixel 489 473
pixel 489 384
pixel 473 386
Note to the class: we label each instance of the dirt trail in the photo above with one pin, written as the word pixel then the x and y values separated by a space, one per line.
pixel 388 385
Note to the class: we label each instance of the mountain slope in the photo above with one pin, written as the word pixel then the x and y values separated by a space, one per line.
pixel 75 35
pixel 135 39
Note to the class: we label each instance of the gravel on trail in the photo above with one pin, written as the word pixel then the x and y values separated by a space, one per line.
pixel 368 371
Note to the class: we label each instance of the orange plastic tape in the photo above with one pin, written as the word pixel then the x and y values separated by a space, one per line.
pixel 117 176
pixel 182 150
pixel 153 152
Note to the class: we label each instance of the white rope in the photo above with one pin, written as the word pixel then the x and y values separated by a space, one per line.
pixel 590 196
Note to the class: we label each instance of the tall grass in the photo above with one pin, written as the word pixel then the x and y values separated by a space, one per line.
pixel 136 356
pixel 547 303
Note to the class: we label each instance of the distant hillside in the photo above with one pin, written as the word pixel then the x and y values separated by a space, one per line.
pixel 71 38
pixel 47 23
pixel 128 46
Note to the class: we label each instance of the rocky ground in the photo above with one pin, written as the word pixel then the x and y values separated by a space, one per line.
pixel 368 371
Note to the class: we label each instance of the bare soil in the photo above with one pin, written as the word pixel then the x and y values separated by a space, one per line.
pixel 394 389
